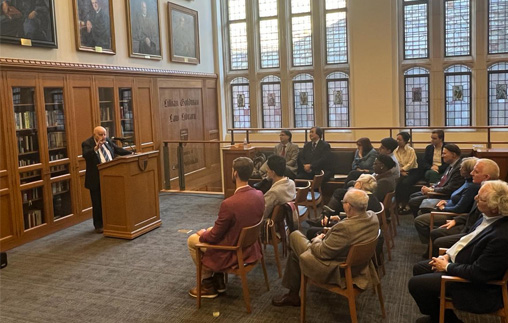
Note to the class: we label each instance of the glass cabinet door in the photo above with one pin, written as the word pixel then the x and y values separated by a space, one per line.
pixel 61 193
pixel 25 119
pixel 106 106
pixel 126 114
pixel 55 123
pixel 33 207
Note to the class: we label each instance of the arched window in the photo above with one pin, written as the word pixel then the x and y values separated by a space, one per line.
pixel 270 96
pixel 498 26
pixel 416 102
pixel 268 33
pixel 416 28
pixel 301 32
pixel 458 95
pixel 498 101
pixel 337 99
pixel 303 100
pixel 457 22
pixel 237 28
pixel 336 31
pixel 240 102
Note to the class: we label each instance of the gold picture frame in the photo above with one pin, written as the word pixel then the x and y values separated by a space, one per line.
pixel 94 26
pixel 183 34
pixel 143 26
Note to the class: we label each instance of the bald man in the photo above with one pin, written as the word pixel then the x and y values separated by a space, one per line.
pixel 96 150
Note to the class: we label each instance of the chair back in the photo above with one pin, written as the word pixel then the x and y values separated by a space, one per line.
pixel 250 235
pixel 316 182
pixel 388 201
pixel 361 253
pixel 301 194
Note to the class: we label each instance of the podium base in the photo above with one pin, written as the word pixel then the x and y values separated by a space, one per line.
pixel 133 234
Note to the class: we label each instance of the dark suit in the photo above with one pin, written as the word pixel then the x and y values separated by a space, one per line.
pixel 318 158
pixel 483 259
pixel 452 183
pixel 92 180
pixel 245 208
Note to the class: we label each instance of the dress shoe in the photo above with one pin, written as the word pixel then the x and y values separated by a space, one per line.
pixel 99 230
pixel 286 300
pixel 207 289
pixel 219 283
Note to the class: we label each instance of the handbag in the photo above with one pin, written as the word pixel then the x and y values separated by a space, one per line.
pixel 429 203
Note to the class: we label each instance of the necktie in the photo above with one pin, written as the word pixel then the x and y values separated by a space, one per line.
pixel 444 178
pixel 283 153
pixel 105 154
pixel 314 145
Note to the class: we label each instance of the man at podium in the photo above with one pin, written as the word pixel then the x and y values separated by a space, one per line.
pixel 96 150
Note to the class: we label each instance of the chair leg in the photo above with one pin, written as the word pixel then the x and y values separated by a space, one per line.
pixel 442 300
pixel 387 242
pixel 246 296
pixel 277 259
pixel 430 248
pixel 352 307
pixel 264 272
pixel 381 300
pixel 303 294
pixel 198 278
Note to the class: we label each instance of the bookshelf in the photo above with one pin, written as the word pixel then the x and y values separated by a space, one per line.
pixel 106 109
pixel 25 120
pixel 55 123
pixel 126 113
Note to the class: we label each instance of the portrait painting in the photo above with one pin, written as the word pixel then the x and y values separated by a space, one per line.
pixel 457 94
pixel 271 99
pixel 501 91
pixel 28 23
pixel 183 34
pixel 304 98
pixel 337 97
pixel 94 26
pixel 417 94
pixel 143 27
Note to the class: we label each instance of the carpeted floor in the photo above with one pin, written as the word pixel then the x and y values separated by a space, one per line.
pixel 78 276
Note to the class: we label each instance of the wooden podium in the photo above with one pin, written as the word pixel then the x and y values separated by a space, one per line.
pixel 130 195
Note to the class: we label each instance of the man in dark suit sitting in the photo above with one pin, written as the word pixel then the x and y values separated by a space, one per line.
pixel 479 256
pixel 314 156
pixel 96 150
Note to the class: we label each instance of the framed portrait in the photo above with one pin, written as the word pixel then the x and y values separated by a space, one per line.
pixel 183 34
pixel 143 27
pixel 28 23
pixel 240 99
pixel 94 26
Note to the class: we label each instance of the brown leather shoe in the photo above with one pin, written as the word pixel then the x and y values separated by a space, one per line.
pixel 207 290
pixel 286 300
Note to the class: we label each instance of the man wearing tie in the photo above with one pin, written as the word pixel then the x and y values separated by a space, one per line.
pixel 96 150
pixel 315 156
pixel 289 151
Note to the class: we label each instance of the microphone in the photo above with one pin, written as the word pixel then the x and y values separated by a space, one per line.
pixel 119 138
pixel 124 140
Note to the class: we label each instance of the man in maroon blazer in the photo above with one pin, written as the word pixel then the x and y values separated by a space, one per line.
pixel 243 209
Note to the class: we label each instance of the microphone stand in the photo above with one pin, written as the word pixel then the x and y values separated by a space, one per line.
pixel 123 140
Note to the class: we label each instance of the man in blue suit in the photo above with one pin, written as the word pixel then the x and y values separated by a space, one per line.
pixel 96 150
pixel 479 256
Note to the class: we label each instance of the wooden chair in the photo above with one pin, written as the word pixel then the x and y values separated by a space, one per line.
pixel 300 202
pixel 315 195
pixel 447 303
pixel 274 234
pixel 248 237
pixel 431 225
pixel 383 225
pixel 391 209
pixel 359 255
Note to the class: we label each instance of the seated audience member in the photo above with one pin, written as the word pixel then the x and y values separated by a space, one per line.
pixel 243 209
pixel 283 189
pixel 320 259
pixel 388 145
pixel 450 181
pixel 451 232
pixel 479 256
pixel 434 164
pixel 287 150
pixel 366 183
pixel 460 201
pixel 385 178
pixel 364 158
pixel 314 156
pixel 406 156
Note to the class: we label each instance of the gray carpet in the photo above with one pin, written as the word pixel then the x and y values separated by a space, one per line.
pixel 78 276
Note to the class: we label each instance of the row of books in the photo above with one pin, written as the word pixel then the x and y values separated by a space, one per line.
pixel 56 139
pixel 24 120
pixel 59 187
pixel 26 162
pixel 57 156
pixel 54 118
pixel 106 113
pixel 30 195
pixel 26 144
pixel 127 126
pixel 33 218
pixel 125 111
